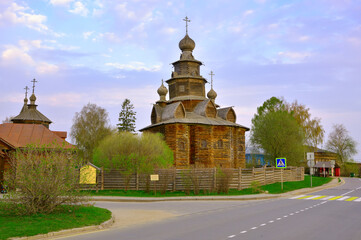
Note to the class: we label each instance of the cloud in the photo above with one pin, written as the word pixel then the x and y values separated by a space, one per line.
pixel 293 57
pixel 60 2
pixel 17 14
pixel 15 55
pixel 247 13
pixel 135 66
pixel 124 12
pixel 86 35
pixel 80 9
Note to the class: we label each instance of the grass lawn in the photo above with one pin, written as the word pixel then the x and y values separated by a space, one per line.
pixel 65 217
pixel 271 188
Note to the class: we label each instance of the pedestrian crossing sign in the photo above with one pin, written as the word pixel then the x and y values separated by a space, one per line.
pixel 281 163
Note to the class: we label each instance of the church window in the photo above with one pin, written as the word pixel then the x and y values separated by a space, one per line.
pixel 203 143
pixel 220 143
pixel 181 88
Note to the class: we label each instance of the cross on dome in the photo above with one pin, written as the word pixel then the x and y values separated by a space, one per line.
pixel 212 74
pixel 187 20
pixel 26 91
pixel 34 81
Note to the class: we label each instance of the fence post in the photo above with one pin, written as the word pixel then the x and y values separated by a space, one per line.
pixel 252 174
pixel 239 178
pixel 264 180
pixel 136 180
pixel 102 176
pixel 214 178
pixel 174 179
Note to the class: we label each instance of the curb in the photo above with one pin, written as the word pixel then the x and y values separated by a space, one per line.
pixel 333 183
pixel 72 231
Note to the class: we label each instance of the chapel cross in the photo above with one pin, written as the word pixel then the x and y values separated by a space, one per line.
pixel 212 74
pixel 34 81
pixel 26 91
pixel 186 19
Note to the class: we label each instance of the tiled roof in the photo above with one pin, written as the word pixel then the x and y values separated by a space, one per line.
pixel 18 135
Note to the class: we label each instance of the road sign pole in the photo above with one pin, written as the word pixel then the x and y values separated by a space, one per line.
pixel 282 179
pixel 311 171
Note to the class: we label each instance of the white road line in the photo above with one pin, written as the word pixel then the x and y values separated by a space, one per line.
pixel 302 210
pixel 312 197
pixel 326 198
pixel 232 236
pixel 347 193
pixel 254 228
pixel 357 200
pixel 324 202
pixel 285 216
pixel 297 212
pixel 271 221
pixel 279 218
pixel 263 224
pixel 243 232
pixel 298 196
pixel 291 214
pixel 343 198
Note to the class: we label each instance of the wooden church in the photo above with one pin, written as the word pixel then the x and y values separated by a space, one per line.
pixel 200 133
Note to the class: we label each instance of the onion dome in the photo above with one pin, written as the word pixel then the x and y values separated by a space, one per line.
pixel 162 91
pixel 212 94
pixel 32 99
pixel 187 44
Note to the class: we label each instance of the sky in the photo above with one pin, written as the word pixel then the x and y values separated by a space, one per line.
pixel 104 51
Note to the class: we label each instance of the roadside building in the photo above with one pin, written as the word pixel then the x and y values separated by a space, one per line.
pixel 29 127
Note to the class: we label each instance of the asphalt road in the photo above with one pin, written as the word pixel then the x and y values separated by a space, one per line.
pixel 332 214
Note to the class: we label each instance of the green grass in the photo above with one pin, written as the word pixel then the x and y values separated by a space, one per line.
pixel 65 217
pixel 274 188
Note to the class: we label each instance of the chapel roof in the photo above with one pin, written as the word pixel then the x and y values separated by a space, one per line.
pixel 17 135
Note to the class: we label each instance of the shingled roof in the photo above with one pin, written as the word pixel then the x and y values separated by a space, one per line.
pixel 16 135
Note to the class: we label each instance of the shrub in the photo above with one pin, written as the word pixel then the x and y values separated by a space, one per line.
pixel 224 177
pixel 256 187
pixel 42 178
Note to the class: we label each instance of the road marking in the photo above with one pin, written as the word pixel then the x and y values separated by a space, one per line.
pixel 305 197
pixel 347 192
pixel 291 214
pixel 285 216
pixel 343 198
pixel 254 228
pixel 316 198
pixel 297 212
pixel 271 221
pixel 327 198
pixel 279 219
pixel 263 224
pixel 312 197
pixel 334 198
pixel 358 200
pixel 243 232
pixel 351 199
pixel 232 236
pixel 298 196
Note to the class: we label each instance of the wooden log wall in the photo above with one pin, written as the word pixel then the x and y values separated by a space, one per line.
pixel 195 178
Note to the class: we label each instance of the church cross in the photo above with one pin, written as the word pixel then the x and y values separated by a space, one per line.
pixel 186 19
pixel 34 81
pixel 212 74
pixel 26 91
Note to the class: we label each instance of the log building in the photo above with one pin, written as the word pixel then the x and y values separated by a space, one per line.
pixel 199 132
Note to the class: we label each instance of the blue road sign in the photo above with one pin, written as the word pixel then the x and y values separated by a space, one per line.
pixel 281 163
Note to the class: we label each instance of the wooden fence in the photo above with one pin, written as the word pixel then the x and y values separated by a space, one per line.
pixel 200 178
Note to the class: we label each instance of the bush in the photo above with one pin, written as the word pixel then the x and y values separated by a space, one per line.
pixel 42 178
pixel 256 187
pixel 133 153
pixel 224 177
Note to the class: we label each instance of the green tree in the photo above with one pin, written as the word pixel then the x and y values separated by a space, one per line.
pixel 279 135
pixel 90 126
pixel 44 177
pixel 312 128
pixel 341 143
pixel 127 117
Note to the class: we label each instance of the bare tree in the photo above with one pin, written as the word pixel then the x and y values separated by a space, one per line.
pixel 90 126
pixel 341 143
